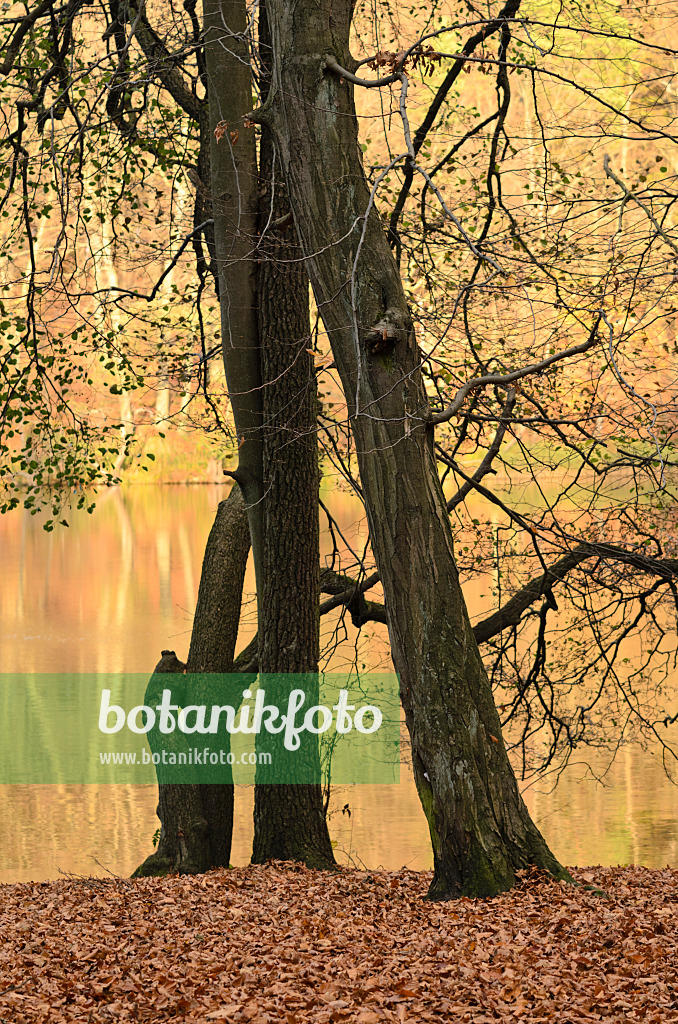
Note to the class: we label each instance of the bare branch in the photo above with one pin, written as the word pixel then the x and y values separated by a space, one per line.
pixel 631 195
pixel 485 466
pixel 501 380
pixel 512 612
pixel 366 83
pixel 161 67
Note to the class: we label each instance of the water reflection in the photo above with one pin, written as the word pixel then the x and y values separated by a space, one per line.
pixel 113 590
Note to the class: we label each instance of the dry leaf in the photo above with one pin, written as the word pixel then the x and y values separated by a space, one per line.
pixel 362 947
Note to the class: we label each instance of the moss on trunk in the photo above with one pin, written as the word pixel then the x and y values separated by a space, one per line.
pixel 480 828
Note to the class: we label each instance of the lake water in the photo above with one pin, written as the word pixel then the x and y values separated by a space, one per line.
pixel 117 587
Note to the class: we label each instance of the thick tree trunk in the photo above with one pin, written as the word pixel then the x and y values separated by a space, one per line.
pixel 480 828
pixel 197 821
pixel 289 820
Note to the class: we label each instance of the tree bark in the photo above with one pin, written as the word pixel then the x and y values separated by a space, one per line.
pixel 197 821
pixel 289 820
pixel 234 191
pixel 480 829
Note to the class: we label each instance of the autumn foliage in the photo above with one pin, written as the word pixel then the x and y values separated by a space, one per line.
pixel 285 944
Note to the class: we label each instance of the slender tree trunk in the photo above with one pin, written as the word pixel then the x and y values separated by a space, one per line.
pixel 234 194
pixel 480 828
pixel 197 821
pixel 289 820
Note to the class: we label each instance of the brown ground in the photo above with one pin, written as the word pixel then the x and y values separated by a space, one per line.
pixel 281 943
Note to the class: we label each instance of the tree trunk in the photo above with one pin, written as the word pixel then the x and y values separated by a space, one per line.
pixel 234 193
pixel 197 821
pixel 480 828
pixel 289 820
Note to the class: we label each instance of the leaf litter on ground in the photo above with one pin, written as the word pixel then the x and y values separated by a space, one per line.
pixel 281 943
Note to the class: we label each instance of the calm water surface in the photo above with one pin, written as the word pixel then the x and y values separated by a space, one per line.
pixel 113 590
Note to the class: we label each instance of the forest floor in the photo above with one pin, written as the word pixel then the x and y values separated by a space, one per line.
pixel 284 944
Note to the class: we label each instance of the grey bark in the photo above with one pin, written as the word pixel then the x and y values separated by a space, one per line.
pixel 197 821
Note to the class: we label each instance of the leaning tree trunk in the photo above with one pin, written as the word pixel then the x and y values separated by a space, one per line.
pixel 289 820
pixel 197 821
pixel 480 828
